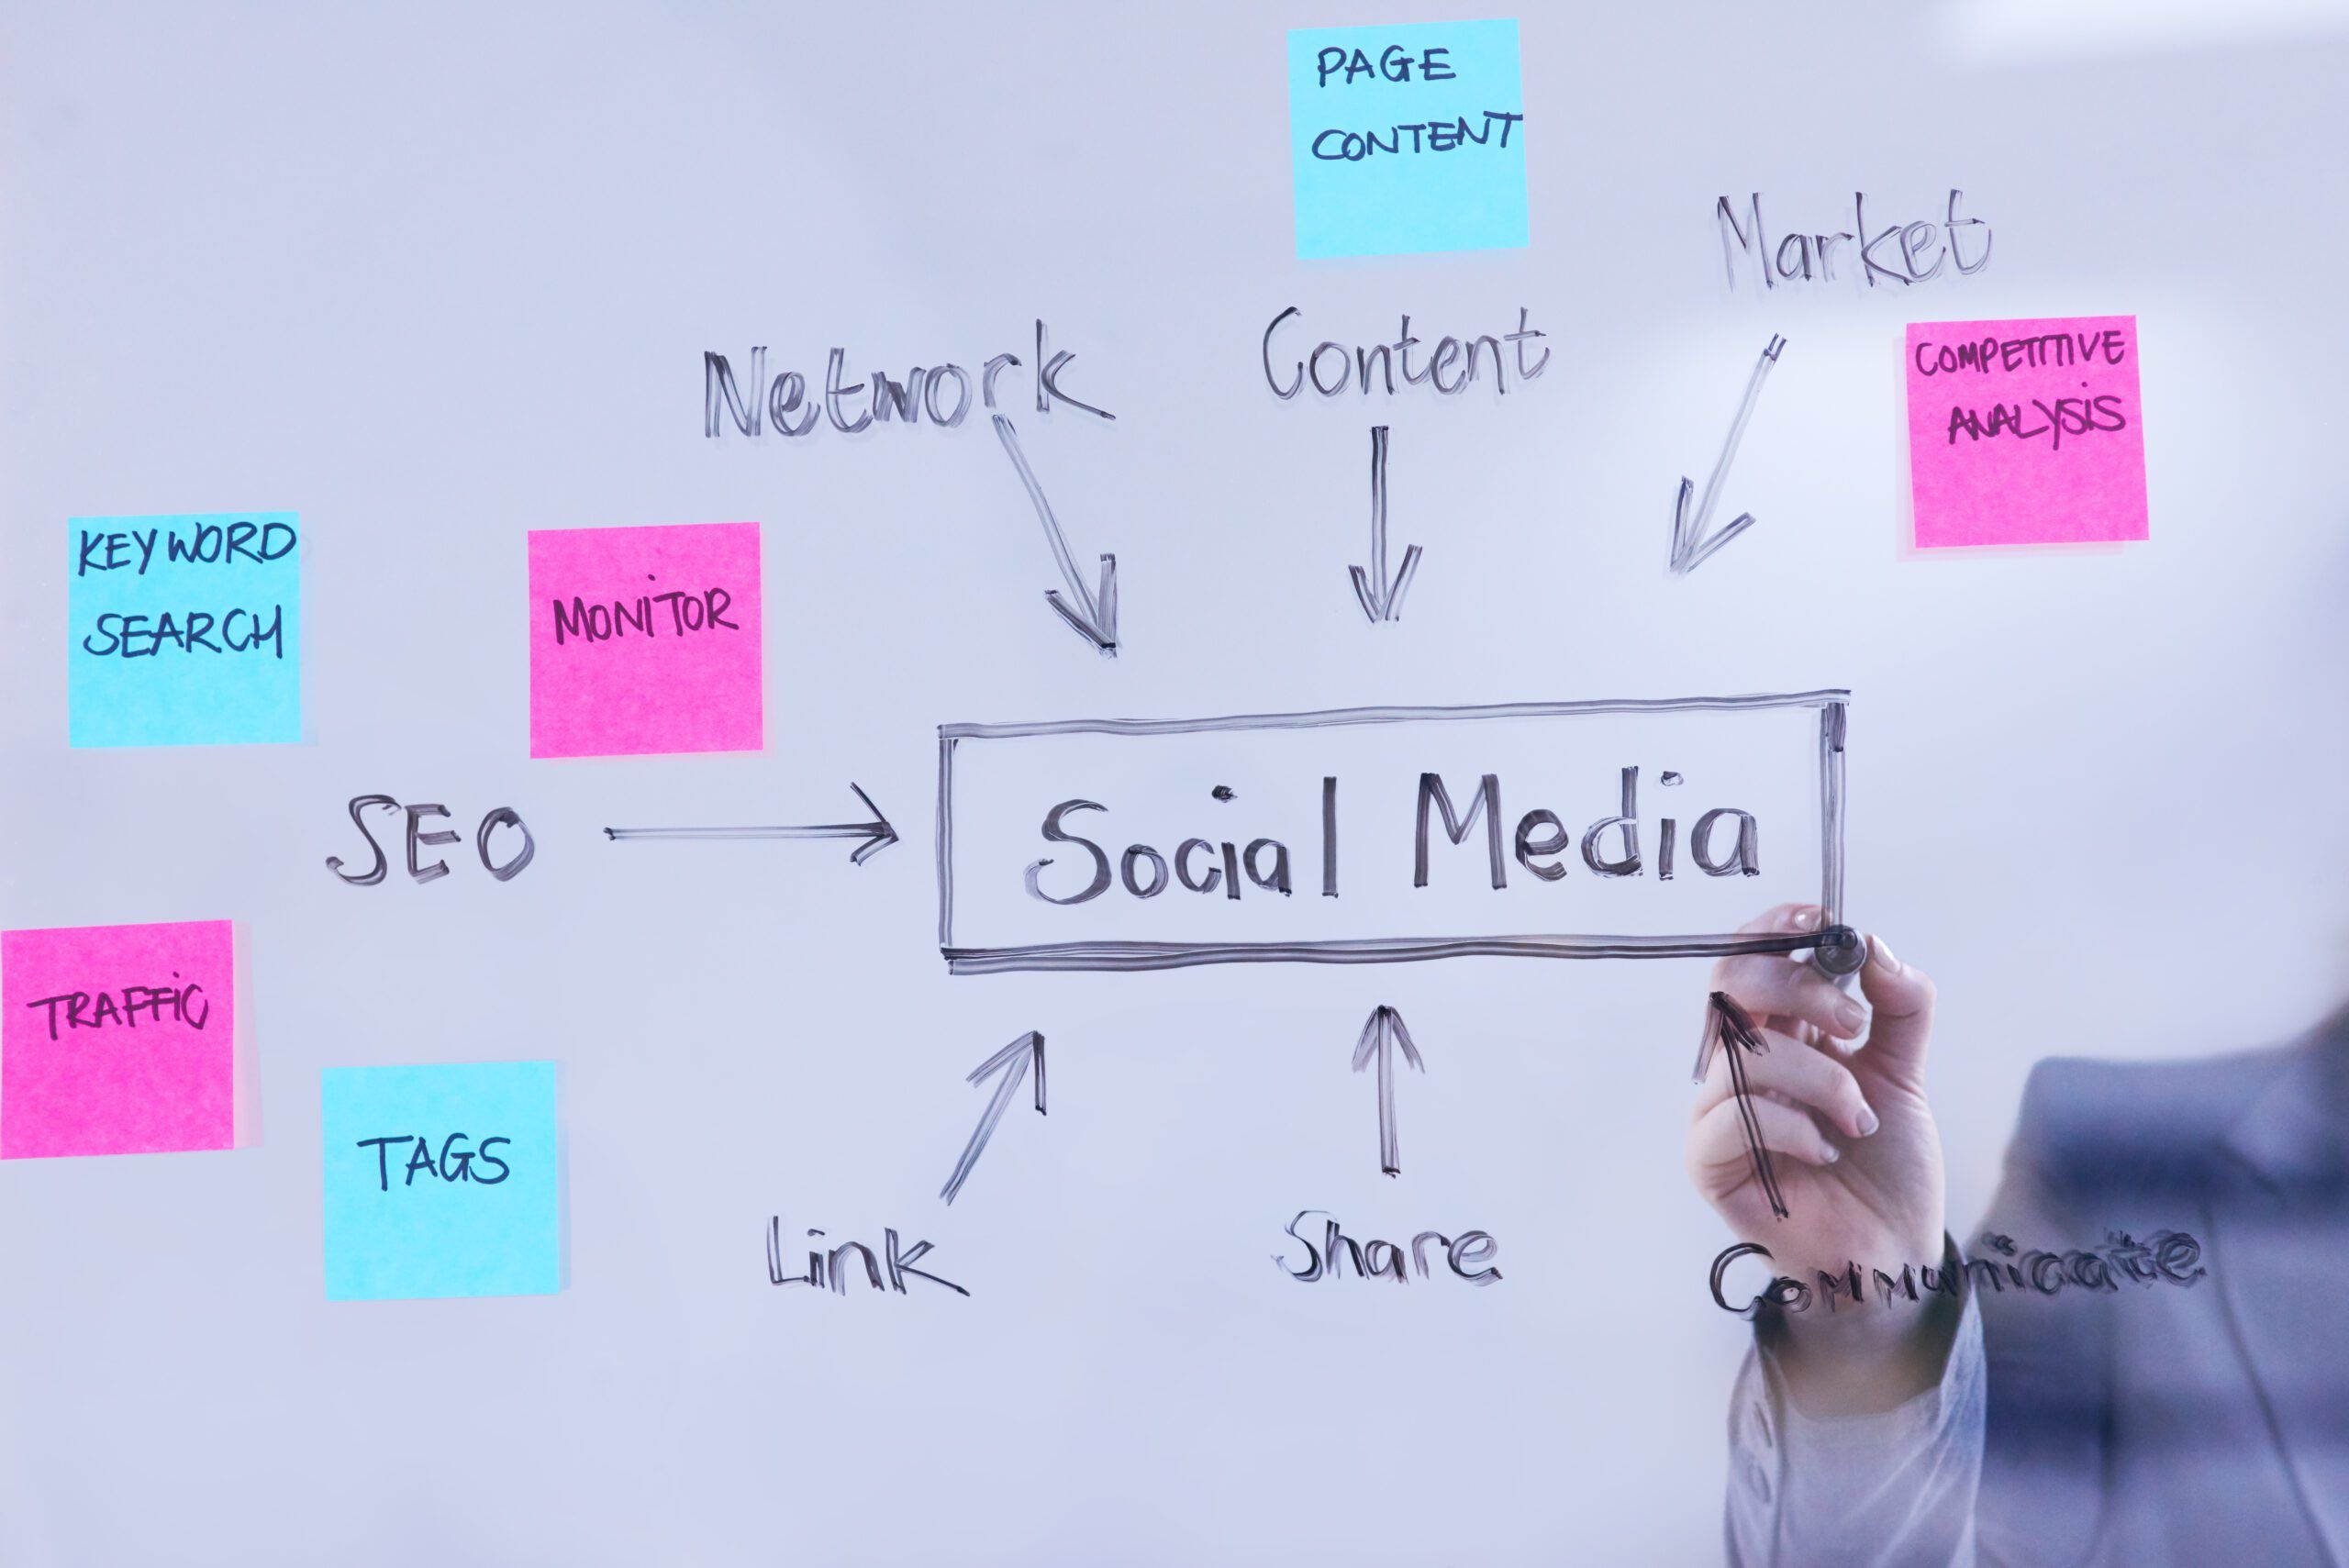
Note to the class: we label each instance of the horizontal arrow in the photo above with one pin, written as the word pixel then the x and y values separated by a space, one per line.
pixel 1012 1061
pixel 1095 619
pixel 1690 549
pixel 878 835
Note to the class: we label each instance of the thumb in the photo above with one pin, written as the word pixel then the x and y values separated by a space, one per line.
pixel 1902 999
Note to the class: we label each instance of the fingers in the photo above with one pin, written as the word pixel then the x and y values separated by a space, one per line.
pixel 1772 985
pixel 1717 1141
pixel 1903 999
pixel 1802 1074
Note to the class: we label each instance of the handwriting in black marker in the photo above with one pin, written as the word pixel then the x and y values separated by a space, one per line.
pixel 1690 549
pixel 1381 1033
pixel 1094 616
pixel 1730 1030
pixel 877 834
pixel 1012 1061
pixel 1382 599
pixel 1200 873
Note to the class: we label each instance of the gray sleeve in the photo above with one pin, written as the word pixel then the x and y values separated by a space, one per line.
pixel 1896 1490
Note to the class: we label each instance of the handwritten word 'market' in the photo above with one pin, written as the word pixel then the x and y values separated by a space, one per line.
pixel 1901 253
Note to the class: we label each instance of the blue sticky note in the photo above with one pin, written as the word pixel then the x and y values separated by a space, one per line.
pixel 442 1181
pixel 1407 139
pixel 184 630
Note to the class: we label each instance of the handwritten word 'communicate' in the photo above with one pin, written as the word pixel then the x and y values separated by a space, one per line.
pixel 2170 1256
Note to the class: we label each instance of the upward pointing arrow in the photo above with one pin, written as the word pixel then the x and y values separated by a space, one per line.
pixel 1382 600
pixel 1380 1034
pixel 1012 1062
pixel 1096 618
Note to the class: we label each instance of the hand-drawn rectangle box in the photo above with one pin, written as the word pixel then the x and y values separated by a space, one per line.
pixel 1613 828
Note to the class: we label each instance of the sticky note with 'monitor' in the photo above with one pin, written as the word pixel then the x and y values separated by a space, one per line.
pixel 646 639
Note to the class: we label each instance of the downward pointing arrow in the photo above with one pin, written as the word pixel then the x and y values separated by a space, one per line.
pixel 1690 549
pixel 1382 600
pixel 877 834
pixel 1096 617
pixel 1380 1034
pixel 1012 1062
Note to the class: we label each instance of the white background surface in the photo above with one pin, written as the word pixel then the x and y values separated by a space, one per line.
pixel 435 279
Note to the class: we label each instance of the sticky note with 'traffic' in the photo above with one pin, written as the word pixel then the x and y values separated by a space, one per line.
pixel 646 639
pixel 442 1181
pixel 184 630
pixel 1407 139
pixel 2026 432
pixel 117 1039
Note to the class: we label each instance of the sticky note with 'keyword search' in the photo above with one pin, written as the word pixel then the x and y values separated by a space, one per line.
pixel 1407 139
pixel 2026 432
pixel 184 630
pixel 117 1039
pixel 442 1181
pixel 646 639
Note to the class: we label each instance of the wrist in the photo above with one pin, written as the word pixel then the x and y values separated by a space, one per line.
pixel 1849 1354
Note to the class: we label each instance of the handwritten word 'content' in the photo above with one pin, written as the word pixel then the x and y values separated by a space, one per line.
pixel 1452 365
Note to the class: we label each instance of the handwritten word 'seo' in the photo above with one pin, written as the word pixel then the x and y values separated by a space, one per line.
pixel 418 839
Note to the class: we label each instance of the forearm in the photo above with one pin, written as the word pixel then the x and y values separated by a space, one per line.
pixel 1891 1485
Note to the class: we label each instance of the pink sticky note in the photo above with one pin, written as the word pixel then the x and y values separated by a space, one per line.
pixel 117 1039
pixel 646 639
pixel 2026 432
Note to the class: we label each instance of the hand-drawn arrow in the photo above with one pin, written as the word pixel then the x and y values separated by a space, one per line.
pixel 877 834
pixel 1690 549
pixel 1096 619
pixel 1730 1029
pixel 1382 600
pixel 1380 1034
pixel 1012 1062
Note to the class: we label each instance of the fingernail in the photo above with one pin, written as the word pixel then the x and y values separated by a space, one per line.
pixel 1882 953
pixel 1802 919
pixel 1850 1015
pixel 1830 1155
pixel 1868 1124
